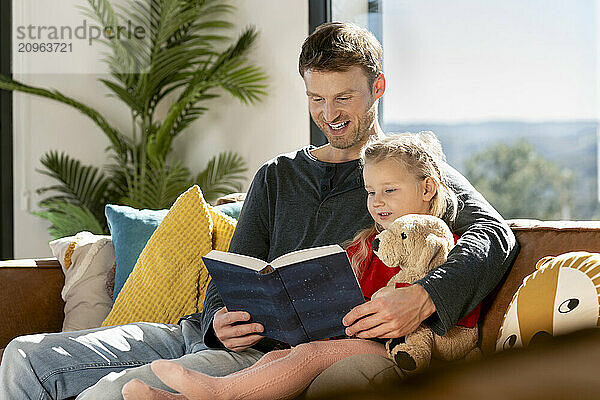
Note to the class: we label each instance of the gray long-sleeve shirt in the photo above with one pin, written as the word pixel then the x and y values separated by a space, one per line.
pixel 292 205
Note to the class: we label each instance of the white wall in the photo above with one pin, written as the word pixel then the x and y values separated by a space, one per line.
pixel 278 124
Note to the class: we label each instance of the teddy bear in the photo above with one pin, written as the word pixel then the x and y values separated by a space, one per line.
pixel 418 243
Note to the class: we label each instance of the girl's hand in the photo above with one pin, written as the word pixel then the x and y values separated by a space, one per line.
pixel 393 313
pixel 231 330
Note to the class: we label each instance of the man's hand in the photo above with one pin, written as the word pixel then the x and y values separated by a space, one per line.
pixel 393 313
pixel 236 337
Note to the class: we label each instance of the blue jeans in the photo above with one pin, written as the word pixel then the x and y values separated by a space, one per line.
pixel 63 365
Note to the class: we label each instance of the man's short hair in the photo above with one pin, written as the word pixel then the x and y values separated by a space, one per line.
pixel 338 46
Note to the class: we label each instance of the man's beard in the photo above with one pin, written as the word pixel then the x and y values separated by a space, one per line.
pixel 358 135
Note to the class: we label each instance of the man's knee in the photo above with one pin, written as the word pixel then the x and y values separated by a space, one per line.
pixel 17 376
pixel 359 372
pixel 19 352
pixel 9 355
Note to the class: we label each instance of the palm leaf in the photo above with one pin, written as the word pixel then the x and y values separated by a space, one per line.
pixel 227 71
pixel 236 51
pixel 165 19
pixel 127 54
pixel 188 117
pixel 159 187
pixel 80 184
pixel 125 95
pixel 223 174
pixel 67 219
pixel 117 140
pixel 243 82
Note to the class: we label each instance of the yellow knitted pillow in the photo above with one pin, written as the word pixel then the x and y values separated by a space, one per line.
pixel 223 227
pixel 169 279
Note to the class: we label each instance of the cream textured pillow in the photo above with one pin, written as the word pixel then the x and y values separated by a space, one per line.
pixel 86 260
pixel 169 278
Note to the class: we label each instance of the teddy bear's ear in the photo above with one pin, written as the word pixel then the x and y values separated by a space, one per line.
pixel 434 252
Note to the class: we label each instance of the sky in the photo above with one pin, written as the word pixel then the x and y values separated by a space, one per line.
pixel 480 60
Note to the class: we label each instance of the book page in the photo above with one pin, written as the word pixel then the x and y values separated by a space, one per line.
pixel 237 259
pixel 305 254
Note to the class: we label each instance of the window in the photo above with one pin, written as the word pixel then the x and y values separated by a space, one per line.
pixel 511 88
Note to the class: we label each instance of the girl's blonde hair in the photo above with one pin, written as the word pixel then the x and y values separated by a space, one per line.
pixel 421 155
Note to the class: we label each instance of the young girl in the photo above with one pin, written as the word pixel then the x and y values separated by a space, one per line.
pixel 401 177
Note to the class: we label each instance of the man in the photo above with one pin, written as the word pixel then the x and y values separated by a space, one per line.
pixel 311 197
pixel 341 68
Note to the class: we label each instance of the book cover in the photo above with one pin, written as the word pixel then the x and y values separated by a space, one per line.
pixel 298 297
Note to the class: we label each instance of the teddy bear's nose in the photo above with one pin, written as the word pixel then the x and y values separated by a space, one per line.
pixel 375 244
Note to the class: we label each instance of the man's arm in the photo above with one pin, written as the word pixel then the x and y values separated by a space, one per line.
pixel 212 304
pixel 251 237
pixel 391 313
pixel 485 251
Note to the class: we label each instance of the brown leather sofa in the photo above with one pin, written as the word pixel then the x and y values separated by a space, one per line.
pixel 30 299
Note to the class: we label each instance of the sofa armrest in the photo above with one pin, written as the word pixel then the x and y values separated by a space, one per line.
pixel 30 300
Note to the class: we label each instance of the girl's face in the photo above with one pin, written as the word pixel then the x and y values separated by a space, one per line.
pixel 393 192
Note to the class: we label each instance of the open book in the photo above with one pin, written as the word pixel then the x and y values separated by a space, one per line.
pixel 298 297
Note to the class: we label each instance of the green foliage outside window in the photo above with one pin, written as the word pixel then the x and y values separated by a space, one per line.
pixel 520 183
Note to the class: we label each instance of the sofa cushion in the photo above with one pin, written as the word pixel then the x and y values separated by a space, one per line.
pixel 537 239
pixel 130 230
pixel 86 260
pixel 169 278
pixel 560 297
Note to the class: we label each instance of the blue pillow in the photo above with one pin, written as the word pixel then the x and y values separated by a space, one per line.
pixel 131 229
pixel 231 209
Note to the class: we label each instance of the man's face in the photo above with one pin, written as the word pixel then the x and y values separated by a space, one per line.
pixel 342 104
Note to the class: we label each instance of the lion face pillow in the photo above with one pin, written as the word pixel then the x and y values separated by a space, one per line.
pixel 560 297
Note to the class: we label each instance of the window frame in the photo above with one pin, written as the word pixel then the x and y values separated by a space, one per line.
pixel 319 12
pixel 6 135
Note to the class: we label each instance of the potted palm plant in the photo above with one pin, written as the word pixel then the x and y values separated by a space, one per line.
pixel 183 60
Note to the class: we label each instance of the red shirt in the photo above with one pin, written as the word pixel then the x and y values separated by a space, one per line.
pixel 375 275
